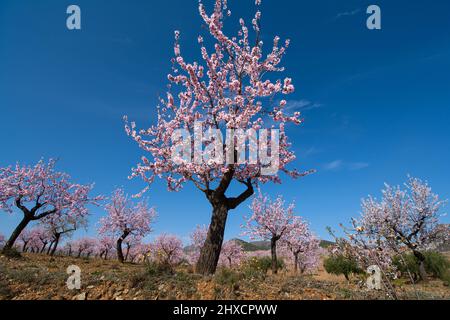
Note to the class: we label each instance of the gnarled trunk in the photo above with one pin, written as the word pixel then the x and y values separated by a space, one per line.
pixel 16 233
pixel 55 244
pixel 209 255
pixel 119 246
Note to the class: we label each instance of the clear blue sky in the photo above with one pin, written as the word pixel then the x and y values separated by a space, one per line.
pixel 378 100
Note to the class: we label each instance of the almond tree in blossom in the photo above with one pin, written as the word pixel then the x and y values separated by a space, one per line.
pixel 40 192
pixel 167 250
pixel 84 246
pixel 232 254
pixel 271 220
pixel 59 226
pixel 25 237
pixel 303 246
pixel 198 238
pixel 105 246
pixel 126 219
pixel 232 88
pixel 403 219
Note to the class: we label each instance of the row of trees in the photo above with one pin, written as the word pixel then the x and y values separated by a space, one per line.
pixel 122 230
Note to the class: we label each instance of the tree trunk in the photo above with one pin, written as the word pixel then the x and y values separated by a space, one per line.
pixel 296 262
pixel 209 255
pixel 50 247
pixel 229 260
pixel 24 247
pixel 9 244
pixel 127 252
pixel 43 248
pixel 273 250
pixel 55 245
pixel 119 247
pixel 422 271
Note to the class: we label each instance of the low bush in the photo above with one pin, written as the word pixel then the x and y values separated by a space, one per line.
pixel 342 265
pixel 436 265
pixel 258 267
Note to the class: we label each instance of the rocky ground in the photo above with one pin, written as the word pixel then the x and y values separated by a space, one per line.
pixel 37 277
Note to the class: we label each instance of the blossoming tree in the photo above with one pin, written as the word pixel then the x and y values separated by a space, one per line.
pixel 403 219
pixel 271 220
pixel 167 250
pixel 40 192
pixel 198 238
pixel 231 89
pixel 303 247
pixel 126 219
pixel 59 226
pixel 232 254
pixel 105 246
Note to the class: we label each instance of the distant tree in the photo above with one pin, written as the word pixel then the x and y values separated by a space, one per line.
pixel 84 246
pixel 40 192
pixel 198 238
pixel 232 254
pixel 167 250
pixel 271 220
pixel 59 226
pixel 233 88
pixel 25 237
pixel 303 246
pixel 105 246
pixel 2 239
pixel 126 219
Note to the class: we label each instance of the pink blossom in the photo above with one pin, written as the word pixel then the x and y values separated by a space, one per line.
pixel 167 249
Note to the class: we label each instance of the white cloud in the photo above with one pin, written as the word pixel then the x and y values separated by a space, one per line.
pixel 347 14
pixel 342 165
pixel 301 105
pixel 334 165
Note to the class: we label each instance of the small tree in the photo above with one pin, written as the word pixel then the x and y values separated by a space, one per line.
pixel 40 192
pixel 232 254
pixel 125 219
pixel 271 220
pixel 167 250
pixel 25 237
pixel 105 246
pixel 84 246
pixel 303 246
pixel 198 238
pixel 59 226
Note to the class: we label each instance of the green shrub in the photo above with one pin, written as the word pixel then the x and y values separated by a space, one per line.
pixel 258 267
pixel 436 265
pixel 228 277
pixel 157 269
pixel 341 265
pixel 11 253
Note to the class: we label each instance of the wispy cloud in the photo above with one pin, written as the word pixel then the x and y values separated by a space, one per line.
pixel 342 165
pixel 301 105
pixel 347 14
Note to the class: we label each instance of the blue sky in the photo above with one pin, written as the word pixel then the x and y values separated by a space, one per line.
pixel 376 103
